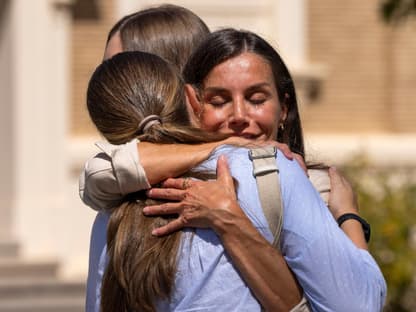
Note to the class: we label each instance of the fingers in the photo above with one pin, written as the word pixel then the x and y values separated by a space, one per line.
pixel 334 175
pixel 185 183
pixel 179 183
pixel 163 209
pixel 284 148
pixel 301 162
pixel 166 193
pixel 169 228
pixel 223 171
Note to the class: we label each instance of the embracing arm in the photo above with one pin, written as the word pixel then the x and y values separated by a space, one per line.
pixel 331 268
pixel 263 268
pixel 134 166
pixel 342 200
pixel 126 168
pixel 337 193
pixel 326 262
pixel 162 161
pixel 268 275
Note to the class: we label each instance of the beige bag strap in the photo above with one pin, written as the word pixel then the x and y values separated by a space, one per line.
pixel 265 171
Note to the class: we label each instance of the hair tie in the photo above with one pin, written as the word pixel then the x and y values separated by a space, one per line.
pixel 147 122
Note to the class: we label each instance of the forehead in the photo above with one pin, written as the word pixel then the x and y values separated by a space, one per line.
pixel 114 46
pixel 247 68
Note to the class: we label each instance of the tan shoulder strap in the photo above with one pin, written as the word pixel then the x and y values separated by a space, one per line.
pixel 266 172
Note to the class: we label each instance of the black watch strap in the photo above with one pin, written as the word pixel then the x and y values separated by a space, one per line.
pixel 364 224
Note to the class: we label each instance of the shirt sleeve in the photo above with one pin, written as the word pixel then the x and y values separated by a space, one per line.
pixel 334 274
pixel 112 174
pixel 320 180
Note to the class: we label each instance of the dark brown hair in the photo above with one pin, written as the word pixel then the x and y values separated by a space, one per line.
pixel 225 44
pixel 123 91
pixel 169 31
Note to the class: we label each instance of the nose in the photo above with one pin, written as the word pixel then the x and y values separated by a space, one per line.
pixel 239 117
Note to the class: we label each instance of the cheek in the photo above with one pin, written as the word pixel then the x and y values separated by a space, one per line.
pixel 212 119
pixel 268 119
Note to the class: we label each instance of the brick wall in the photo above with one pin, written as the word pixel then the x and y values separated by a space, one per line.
pixel 370 82
pixel 370 71
pixel 403 98
pixel 91 23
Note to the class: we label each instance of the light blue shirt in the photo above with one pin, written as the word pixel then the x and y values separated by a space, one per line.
pixel 334 274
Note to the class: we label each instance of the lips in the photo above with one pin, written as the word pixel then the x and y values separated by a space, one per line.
pixel 248 136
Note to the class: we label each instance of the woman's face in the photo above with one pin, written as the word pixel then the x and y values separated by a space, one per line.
pixel 239 98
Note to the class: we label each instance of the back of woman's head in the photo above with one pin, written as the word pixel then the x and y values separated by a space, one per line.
pixel 130 86
pixel 226 44
pixel 123 92
pixel 169 31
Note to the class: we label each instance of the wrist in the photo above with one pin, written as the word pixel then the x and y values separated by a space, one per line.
pixel 343 209
pixel 355 217
pixel 338 213
pixel 201 152
pixel 227 224
pixel 239 233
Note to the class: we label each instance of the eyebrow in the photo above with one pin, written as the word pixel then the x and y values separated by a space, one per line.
pixel 214 89
pixel 259 85
pixel 221 89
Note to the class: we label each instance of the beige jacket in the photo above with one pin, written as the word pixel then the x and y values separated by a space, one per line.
pixel 111 175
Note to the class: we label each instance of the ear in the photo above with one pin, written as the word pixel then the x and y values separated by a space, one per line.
pixel 193 103
pixel 285 109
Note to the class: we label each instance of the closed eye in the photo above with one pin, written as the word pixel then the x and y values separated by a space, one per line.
pixel 258 98
pixel 217 99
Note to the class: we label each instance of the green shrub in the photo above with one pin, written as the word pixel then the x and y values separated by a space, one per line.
pixel 387 199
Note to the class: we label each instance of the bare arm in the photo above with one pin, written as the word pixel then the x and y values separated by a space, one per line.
pixel 207 204
pixel 119 169
pixel 262 267
pixel 267 276
pixel 131 167
pixel 162 161
pixel 342 200
pixel 339 196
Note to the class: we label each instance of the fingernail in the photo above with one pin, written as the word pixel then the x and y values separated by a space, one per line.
pixel 223 157
pixel 155 232
pixel 145 210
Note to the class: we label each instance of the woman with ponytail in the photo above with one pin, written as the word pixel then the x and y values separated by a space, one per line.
pixel 124 104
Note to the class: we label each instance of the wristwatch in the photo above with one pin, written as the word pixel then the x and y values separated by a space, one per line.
pixel 364 224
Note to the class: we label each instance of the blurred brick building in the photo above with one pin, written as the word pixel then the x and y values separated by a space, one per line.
pixel 356 78
pixel 355 75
